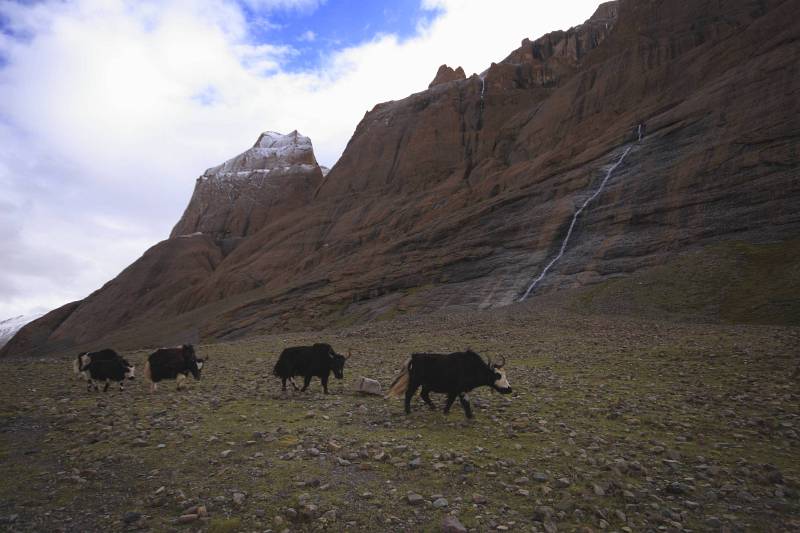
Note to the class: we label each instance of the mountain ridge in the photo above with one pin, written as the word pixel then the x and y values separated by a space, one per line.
pixel 458 195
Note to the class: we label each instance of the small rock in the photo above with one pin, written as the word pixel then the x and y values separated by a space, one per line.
pixel 414 499
pixel 678 488
pixel 369 386
pixel 440 503
pixel 238 499
pixel 131 517
pixel 542 513
pixel 309 511
pixel 479 499
pixel 415 463
pixel 187 518
pixel 226 453
pixel 381 456
pixel 451 524
pixel 562 483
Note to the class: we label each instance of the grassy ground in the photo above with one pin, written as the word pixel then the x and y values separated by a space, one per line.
pixel 733 282
pixel 615 423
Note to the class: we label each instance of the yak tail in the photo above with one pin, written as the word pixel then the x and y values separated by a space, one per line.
pixel 400 383
pixel 147 373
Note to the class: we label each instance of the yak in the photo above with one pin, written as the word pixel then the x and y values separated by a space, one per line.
pixel 172 363
pixel 105 365
pixel 318 360
pixel 454 374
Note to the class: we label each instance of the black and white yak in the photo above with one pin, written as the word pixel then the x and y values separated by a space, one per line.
pixel 104 365
pixel 318 360
pixel 172 363
pixel 453 374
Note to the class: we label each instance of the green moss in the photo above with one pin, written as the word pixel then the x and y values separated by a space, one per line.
pixel 224 525
pixel 733 282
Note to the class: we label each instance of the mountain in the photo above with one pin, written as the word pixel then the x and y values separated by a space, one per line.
pixel 237 198
pixel 460 195
pixel 10 326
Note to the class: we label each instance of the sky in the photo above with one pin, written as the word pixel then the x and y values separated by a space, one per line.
pixel 110 109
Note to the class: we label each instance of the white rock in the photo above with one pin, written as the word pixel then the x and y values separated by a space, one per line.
pixel 369 386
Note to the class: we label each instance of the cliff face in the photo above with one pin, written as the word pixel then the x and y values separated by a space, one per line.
pixel 459 195
pixel 237 198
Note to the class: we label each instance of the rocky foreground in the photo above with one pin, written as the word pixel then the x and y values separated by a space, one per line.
pixel 615 423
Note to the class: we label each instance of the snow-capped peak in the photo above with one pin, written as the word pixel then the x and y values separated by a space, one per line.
pixel 10 326
pixel 271 151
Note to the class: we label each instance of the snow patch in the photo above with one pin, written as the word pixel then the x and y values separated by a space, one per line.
pixel 10 326
pixel 272 151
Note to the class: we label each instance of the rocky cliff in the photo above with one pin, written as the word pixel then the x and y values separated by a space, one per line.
pixel 459 195
pixel 237 198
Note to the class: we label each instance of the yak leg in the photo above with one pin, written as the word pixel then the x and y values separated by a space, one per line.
pixel 283 384
pixel 180 379
pixel 464 399
pixel 306 381
pixel 108 382
pixel 410 391
pixel 89 385
pixel 426 397
pixel 324 380
pixel 153 386
pixel 291 380
pixel 451 397
pixel 122 385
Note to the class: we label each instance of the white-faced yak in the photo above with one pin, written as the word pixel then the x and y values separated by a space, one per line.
pixel 104 365
pixel 453 374
pixel 172 363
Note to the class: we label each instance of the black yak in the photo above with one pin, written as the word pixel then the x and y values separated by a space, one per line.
pixel 172 363
pixel 453 374
pixel 309 361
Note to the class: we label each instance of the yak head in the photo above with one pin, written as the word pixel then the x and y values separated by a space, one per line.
pixel 499 381
pixel 337 363
pixel 194 364
pixel 77 364
pixel 130 370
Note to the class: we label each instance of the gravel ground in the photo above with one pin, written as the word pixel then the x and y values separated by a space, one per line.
pixel 615 423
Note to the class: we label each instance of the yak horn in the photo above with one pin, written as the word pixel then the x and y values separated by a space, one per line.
pixel 501 365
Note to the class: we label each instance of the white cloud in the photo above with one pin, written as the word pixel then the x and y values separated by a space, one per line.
pixel 110 109
pixel 308 36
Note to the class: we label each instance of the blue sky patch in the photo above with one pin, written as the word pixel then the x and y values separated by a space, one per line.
pixel 334 25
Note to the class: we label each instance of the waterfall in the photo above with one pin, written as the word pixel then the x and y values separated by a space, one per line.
pixel 572 224
pixel 483 86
